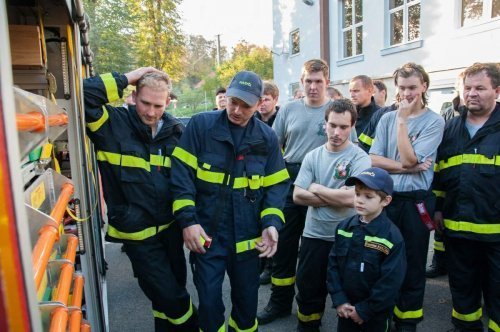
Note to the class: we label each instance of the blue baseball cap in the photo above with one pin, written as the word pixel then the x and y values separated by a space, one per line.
pixel 247 86
pixel 374 178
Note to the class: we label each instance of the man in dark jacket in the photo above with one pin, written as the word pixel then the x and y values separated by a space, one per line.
pixel 361 91
pixel 467 184
pixel 133 149
pixel 229 183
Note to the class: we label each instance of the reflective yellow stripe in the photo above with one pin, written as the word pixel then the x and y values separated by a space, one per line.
pixel 492 325
pixel 94 126
pixel 275 178
pixel 109 157
pixel 464 226
pixel 246 245
pixel 209 176
pixel 111 87
pixel 275 211
pixel 365 139
pixel 255 182
pixel 385 242
pixel 309 318
pixel 408 314
pixel 137 236
pixel 438 245
pixel 240 183
pixel 476 315
pixel 233 324
pixel 436 168
pixel 176 321
pixel 155 160
pixel 132 161
pixel 283 281
pixel 477 159
pixel 185 157
pixel 439 193
pixel 344 233
pixel 180 203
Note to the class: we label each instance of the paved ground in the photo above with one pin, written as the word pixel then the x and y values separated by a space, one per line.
pixel 129 309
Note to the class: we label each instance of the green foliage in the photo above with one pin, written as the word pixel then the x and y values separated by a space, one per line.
pixel 247 57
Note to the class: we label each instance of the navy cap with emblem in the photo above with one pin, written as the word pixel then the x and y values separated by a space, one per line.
pixel 374 178
pixel 247 86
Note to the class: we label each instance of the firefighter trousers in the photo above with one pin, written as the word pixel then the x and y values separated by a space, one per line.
pixel 311 280
pixel 160 268
pixel 209 270
pixel 474 272
pixel 285 259
pixel 403 212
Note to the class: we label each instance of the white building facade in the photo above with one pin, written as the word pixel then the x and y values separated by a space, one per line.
pixel 374 37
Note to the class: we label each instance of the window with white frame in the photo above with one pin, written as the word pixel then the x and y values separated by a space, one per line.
pixel 295 42
pixel 404 21
pixel 477 11
pixel 352 27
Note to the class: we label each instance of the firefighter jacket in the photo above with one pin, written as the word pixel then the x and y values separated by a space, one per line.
pixel 467 179
pixel 368 134
pixel 134 167
pixel 206 169
pixel 365 114
pixel 367 265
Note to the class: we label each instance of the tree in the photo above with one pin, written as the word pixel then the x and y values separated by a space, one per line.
pixel 247 57
pixel 159 40
pixel 111 35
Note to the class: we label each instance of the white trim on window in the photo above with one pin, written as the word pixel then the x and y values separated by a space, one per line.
pixel 350 29
pixel 403 10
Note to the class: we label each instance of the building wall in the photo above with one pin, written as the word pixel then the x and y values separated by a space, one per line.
pixel 288 16
pixel 444 49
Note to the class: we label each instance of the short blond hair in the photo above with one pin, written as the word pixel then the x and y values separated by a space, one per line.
pixel 316 66
pixel 154 80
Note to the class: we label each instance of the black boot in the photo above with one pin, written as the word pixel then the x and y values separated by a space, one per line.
pixel 438 265
pixel 265 276
pixel 270 313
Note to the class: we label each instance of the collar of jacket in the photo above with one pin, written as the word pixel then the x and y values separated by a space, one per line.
pixel 368 108
pixel 220 132
pixel 491 125
pixel 144 131
pixel 373 227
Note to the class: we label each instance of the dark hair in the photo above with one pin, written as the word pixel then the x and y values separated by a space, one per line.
pixel 341 106
pixel 365 80
pixel 316 66
pixel 380 86
pixel 412 69
pixel 271 89
pixel 491 69
pixel 379 193
pixel 220 90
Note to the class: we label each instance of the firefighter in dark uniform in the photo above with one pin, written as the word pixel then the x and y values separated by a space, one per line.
pixel 468 205
pixel 367 263
pixel 229 183
pixel 133 149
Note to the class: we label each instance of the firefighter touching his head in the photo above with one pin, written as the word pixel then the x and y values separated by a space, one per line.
pixel 133 148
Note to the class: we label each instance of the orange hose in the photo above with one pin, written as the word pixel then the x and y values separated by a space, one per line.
pixel 32 121
pixel 57 213
pixel 75 320
pixel 49 235
pixel 59 320
pixel 58 119
pixel 76 298
pixel 42 251
pixel 64 284
pixel 70 253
